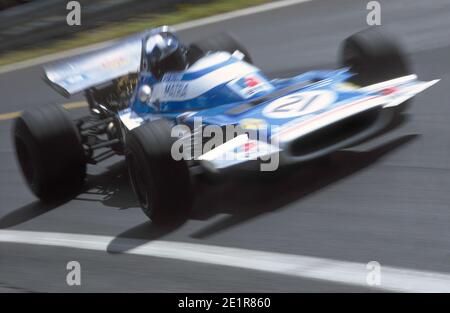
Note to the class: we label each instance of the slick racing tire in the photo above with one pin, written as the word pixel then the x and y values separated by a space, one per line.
pixel 161 183
pixel 374 56
pixel 220 42
pixel 49 152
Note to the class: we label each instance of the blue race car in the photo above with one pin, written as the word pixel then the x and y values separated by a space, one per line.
pixel 174 110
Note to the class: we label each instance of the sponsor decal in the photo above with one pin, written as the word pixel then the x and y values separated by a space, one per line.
pixel 300 104
pixel 176 90
pixel 346 86
pixel 253 123
pixel 74 79
pixel 170 77
pixel 114 63
pixel 250 85
pixel 248 150
pixel 389 91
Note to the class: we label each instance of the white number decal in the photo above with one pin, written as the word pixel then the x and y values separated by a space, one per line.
pixel 300 103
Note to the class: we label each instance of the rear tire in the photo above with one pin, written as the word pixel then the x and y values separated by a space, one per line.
pixel 49 152
pixel 161 183
pixel 220 42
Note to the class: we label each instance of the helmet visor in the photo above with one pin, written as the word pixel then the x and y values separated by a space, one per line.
pixel 159 46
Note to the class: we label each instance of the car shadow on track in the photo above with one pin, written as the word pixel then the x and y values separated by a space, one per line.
pixel 244 199
pixel 110 187
pixel 138 236
pixel 27 212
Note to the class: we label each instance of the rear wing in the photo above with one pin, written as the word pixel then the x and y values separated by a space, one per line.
pixel 75 74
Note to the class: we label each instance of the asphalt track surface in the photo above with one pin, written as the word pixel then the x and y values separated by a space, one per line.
pixel 387 200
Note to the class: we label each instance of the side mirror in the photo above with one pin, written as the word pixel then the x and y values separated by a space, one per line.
pixel 144 93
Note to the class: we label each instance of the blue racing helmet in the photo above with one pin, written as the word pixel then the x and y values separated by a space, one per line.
pixel 163 53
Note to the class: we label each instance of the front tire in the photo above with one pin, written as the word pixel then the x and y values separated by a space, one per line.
pixel 49 152
pixel 373 56
pixel 161 183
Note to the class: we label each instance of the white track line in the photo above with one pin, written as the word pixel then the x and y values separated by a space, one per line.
pixel 392 279
pixel 178 27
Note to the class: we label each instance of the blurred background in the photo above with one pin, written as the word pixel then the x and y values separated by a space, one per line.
pixel 386 200
pixel 39 22
pixel 40 25
pixel 5 4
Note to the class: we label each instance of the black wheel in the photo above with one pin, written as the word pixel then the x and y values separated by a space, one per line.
pixel 220 42
pixel 373 56
pixel 161 183
pixel 49 152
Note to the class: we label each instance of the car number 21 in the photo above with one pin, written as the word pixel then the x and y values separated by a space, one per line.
pixel 300 103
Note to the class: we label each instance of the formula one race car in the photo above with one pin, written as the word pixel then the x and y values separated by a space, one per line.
pixel 154 100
